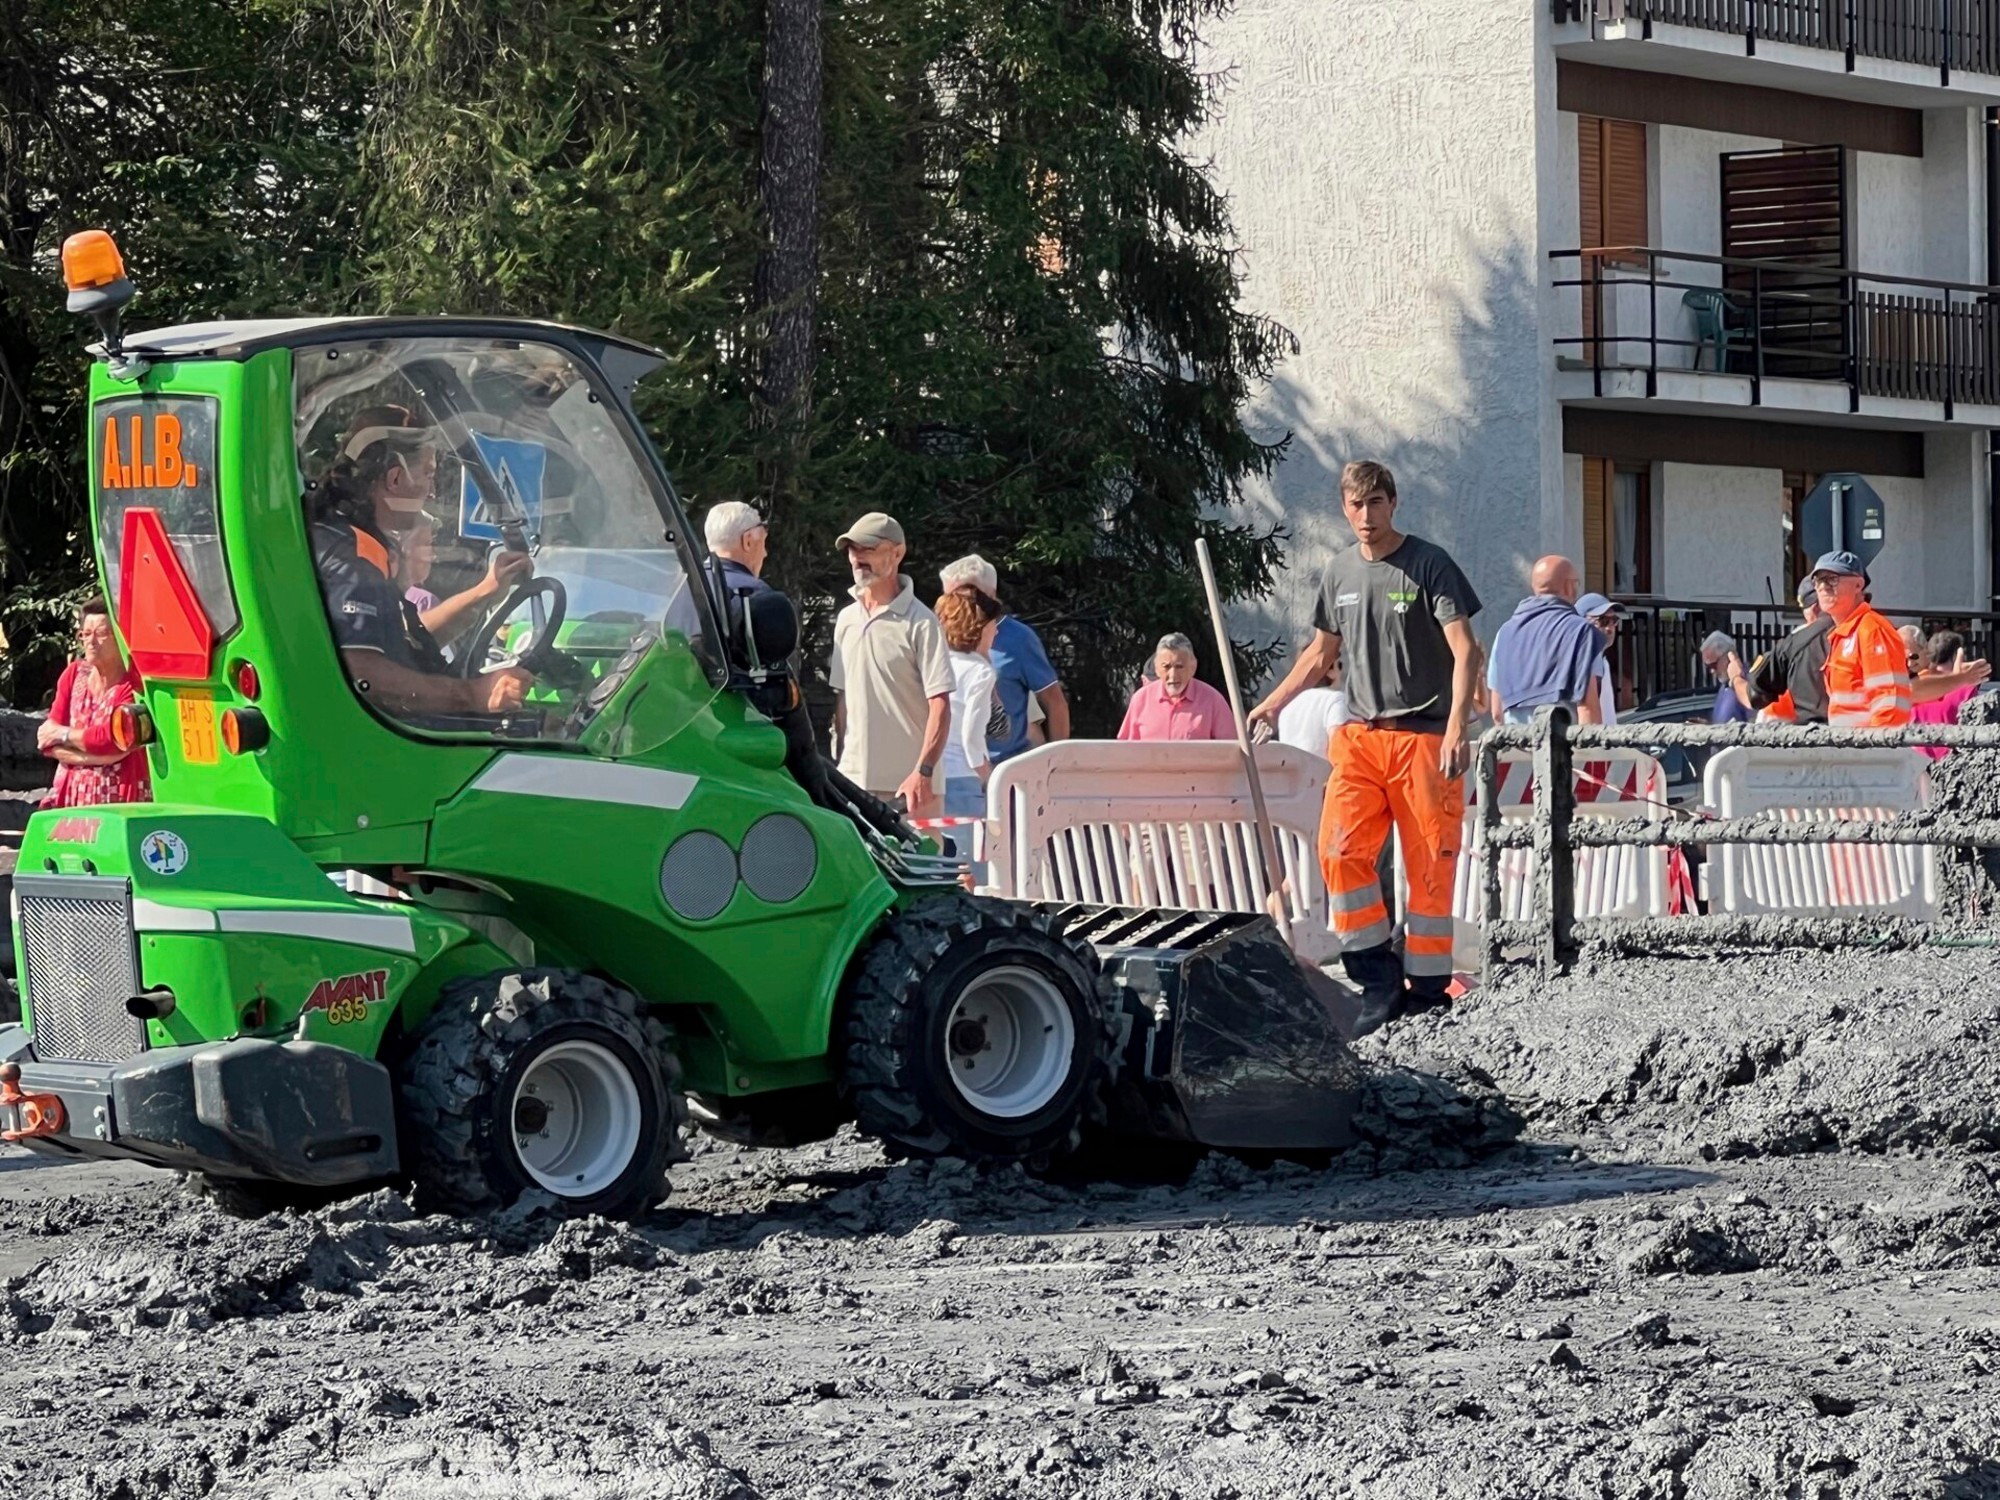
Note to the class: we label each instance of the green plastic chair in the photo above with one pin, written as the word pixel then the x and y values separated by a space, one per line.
pixel 1711 325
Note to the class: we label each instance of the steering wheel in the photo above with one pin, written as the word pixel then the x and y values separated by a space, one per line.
pixel 538 652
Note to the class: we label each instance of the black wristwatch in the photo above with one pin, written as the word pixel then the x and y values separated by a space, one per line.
pixel 925 770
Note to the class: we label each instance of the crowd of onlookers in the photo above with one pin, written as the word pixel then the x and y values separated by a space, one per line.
pixel 929 698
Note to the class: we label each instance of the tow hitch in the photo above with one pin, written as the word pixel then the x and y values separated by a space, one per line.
pixel 30 1114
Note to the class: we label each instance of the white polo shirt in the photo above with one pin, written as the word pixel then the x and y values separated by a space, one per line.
pixel 887 667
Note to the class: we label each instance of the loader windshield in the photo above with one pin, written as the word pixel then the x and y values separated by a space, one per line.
pixel 493 555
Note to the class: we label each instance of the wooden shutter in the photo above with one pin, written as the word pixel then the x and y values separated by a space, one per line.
pixel 1590 181
pixel 1625 183
pixel 1611 198
pixel 1597 525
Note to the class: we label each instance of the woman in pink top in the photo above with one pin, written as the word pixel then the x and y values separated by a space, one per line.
pixel 1943 652
pixel 1174 705
pixel 76 735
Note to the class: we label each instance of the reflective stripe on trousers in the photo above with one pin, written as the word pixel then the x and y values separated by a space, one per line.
pixel 1384 778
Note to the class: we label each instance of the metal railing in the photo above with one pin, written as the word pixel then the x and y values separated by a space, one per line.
pixel 1941 34
pixel 1658 647
pixel 1893 336
pixel 1555 832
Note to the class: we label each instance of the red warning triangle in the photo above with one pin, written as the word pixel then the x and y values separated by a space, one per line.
pixel 166 629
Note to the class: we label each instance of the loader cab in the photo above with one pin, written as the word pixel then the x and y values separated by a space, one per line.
pixel 493 554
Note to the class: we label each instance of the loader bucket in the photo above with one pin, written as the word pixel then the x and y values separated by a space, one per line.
pixel 1227 1040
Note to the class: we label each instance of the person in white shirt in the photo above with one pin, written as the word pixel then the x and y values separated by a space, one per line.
pixel 1309 720
pixel 968 636
pixel 1605 615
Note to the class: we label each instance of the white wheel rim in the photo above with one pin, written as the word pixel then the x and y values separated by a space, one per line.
pixel 1008 1042
pixel 576 1119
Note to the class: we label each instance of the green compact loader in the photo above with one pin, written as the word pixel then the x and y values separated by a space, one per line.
pixel 478 857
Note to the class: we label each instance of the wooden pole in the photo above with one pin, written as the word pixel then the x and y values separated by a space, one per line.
pixel 1267 838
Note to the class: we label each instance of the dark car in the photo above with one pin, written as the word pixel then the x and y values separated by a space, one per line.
pixel 1684 766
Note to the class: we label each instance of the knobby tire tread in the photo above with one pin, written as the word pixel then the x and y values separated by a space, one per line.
pixel 882 1028
pixel 465 1046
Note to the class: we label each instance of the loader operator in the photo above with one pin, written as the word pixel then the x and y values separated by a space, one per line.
pixel 378 488
pixel 1403 610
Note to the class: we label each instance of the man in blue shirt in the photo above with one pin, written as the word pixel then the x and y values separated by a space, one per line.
pixel 1019 662
pixel 1717 652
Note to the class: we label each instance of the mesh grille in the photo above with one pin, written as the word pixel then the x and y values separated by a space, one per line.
pixel 698 876
pixel 80 971
pixel 779 858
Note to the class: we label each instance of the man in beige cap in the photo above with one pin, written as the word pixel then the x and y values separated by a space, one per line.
pixel 891 674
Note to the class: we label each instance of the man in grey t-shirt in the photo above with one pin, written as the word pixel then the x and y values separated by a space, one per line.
pixel 1399 611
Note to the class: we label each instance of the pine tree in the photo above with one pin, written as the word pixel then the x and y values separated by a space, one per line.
pixel 999 304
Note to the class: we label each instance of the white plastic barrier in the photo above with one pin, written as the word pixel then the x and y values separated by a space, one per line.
pixel 1623 882
pixel 1818 786
pixel 1159 824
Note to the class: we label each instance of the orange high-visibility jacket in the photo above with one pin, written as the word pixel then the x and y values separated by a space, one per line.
pixel 1867 676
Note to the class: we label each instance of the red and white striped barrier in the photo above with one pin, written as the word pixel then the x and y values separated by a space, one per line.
pixel 977 825
pixel 1624 882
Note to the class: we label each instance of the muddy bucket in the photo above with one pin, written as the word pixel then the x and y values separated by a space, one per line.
pixel 1227 1039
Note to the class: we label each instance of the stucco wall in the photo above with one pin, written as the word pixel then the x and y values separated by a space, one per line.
pixel 1720 533
pixel 1955 529
pixel 1886 222
pixel 1384 181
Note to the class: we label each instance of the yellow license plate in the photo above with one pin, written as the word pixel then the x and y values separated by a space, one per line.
pixel 198 739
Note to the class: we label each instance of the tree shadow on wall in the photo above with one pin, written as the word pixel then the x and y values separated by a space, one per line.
pixel 1446 386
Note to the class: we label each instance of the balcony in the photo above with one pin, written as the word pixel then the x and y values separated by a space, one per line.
pixel 1887 51
pixel 1706 333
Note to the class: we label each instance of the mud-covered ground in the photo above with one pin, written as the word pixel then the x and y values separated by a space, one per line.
pixel 1744 1244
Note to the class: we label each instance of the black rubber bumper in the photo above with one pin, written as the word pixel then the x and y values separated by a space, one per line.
pixel 298 1112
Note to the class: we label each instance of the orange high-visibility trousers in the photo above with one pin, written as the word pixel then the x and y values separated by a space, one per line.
pixel 1383 777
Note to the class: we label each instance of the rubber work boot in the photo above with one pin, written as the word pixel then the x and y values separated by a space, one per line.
pixel 1379 973
pixel 1432 992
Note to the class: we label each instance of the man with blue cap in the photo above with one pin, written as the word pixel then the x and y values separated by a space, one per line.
pixel 1605 614
pixel 1867 676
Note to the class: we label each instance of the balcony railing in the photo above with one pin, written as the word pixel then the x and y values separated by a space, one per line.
pixel 1890 336
pixel 1658 649
pixel 1941 34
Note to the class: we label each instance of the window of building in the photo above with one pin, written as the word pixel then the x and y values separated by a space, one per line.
pixel 1617 527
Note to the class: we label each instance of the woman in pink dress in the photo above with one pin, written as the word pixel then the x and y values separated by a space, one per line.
pixel 77 732
pixel 1943 652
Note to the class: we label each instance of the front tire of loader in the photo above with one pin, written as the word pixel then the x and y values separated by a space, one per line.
pixel 975 1028
pixel 540 1080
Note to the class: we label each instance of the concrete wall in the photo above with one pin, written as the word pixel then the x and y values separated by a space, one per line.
pixel 1389 183
pixel 1900 576
pixel 1719 532
pixel 1888 228
pixel 1954 190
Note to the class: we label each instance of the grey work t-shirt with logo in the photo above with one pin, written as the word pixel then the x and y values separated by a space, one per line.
pixel 1390 616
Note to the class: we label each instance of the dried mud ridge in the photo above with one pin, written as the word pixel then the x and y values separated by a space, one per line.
pixel 1658 1229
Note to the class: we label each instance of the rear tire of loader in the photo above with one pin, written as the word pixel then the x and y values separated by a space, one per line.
pixel 540 1080
pixel 975 1028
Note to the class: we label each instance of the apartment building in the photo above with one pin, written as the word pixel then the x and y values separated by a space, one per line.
pixel 1624 279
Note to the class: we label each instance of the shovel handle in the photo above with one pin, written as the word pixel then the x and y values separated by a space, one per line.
pixel 1267 838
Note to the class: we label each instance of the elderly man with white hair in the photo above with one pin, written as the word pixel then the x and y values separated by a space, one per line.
pixel 1020 666
pixel 1175 704
pixel 740 539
